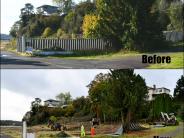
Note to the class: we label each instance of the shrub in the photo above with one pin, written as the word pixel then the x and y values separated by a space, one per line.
pixel 47 32
pixel 60 32
pixel 53 119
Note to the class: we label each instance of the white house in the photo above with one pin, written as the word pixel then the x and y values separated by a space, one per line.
pixel 47 10
pixel 52 103
pixel 153 92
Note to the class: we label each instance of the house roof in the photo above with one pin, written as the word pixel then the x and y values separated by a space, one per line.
pixel 49 9
pixel 47 6
pixel 158 88
pixel 163 88
pixel 51 100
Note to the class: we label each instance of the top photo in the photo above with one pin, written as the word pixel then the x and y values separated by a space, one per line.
pixel 92 34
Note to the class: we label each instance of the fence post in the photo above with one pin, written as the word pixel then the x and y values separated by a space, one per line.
pixel 23 43
pixel 18 44
pixel 24 129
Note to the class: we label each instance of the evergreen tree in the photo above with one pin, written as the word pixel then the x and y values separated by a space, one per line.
pixel 179 90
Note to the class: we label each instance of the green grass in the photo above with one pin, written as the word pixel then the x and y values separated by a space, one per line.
pixel 146 133
pixel 98 55
pixel 176 62
pixel 9 45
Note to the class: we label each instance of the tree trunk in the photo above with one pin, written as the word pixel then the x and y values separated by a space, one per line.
pixel 127 121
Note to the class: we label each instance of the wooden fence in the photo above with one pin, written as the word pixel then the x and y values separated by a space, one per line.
pixel 63 44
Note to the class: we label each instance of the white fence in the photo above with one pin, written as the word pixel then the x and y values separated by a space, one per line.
pixel 24 132
pixel 63 44
pixel 173 36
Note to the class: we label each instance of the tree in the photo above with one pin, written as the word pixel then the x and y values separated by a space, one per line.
pixel 135 27
pixel 162 103
pixel 74 19
pixel 15 29
pixel 97 93
pixel 176 16
pixel 65 98
pixel 82 106
pixel 64 5
pixel 126 93
pixel 90 25
pixel 28 9
pixel 118 26
pixel 179 90
pixel 47 32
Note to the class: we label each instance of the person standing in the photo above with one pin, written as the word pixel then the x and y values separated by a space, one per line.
pixel 83 134
pixel 92 131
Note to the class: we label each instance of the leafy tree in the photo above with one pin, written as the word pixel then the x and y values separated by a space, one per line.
pixel 64 5
pixel 162 103
pixel 176 16
pixel 74 19
pixel 179 90
pixel 90 25
pixel 82 106
pixel 15 29
pixel 65 98
pixel 97 94
pixel 126 93
pixel 47 32
pixel 28 9
pixel 135 27
pixel 116 25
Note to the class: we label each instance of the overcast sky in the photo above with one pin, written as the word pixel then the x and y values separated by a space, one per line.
pixel 20 87
pixel 10 11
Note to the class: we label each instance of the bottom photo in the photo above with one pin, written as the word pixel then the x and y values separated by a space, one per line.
pixel 92 103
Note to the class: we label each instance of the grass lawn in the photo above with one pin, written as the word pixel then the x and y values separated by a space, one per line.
pixel 177 61
pixel 99 55
pixel 146 133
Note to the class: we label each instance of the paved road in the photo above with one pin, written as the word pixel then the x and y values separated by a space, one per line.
pixel 12 61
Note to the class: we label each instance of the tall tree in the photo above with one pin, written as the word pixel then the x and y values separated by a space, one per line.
pixel 162 103
pixel 179 90
pixel 130 24
pixel 175 13
pixel 97 93
pixel 65 98
pixel 28 9
pixel 117 21
pixel 127 93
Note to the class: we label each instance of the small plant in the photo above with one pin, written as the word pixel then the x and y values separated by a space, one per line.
pixel 53 119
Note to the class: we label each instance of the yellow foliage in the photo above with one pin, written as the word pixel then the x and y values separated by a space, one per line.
pixel 90 26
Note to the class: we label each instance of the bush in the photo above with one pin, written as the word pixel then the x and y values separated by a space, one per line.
pixel 60 32
pixel 53 119
pixel 47 32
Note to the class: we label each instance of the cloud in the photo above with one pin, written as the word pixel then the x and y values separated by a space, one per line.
pixel 48 83
pixel 13 105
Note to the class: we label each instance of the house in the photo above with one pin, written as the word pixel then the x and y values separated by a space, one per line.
pixel 153 92
pixel 48 9
pixel 52 103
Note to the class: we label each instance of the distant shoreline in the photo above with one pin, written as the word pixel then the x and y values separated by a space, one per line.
pixel 10 126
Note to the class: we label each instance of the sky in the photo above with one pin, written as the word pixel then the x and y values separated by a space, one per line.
pixel 20 87
pixel 10 11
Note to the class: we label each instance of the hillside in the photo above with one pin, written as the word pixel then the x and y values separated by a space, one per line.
pixel 5 37
pixel 10 123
